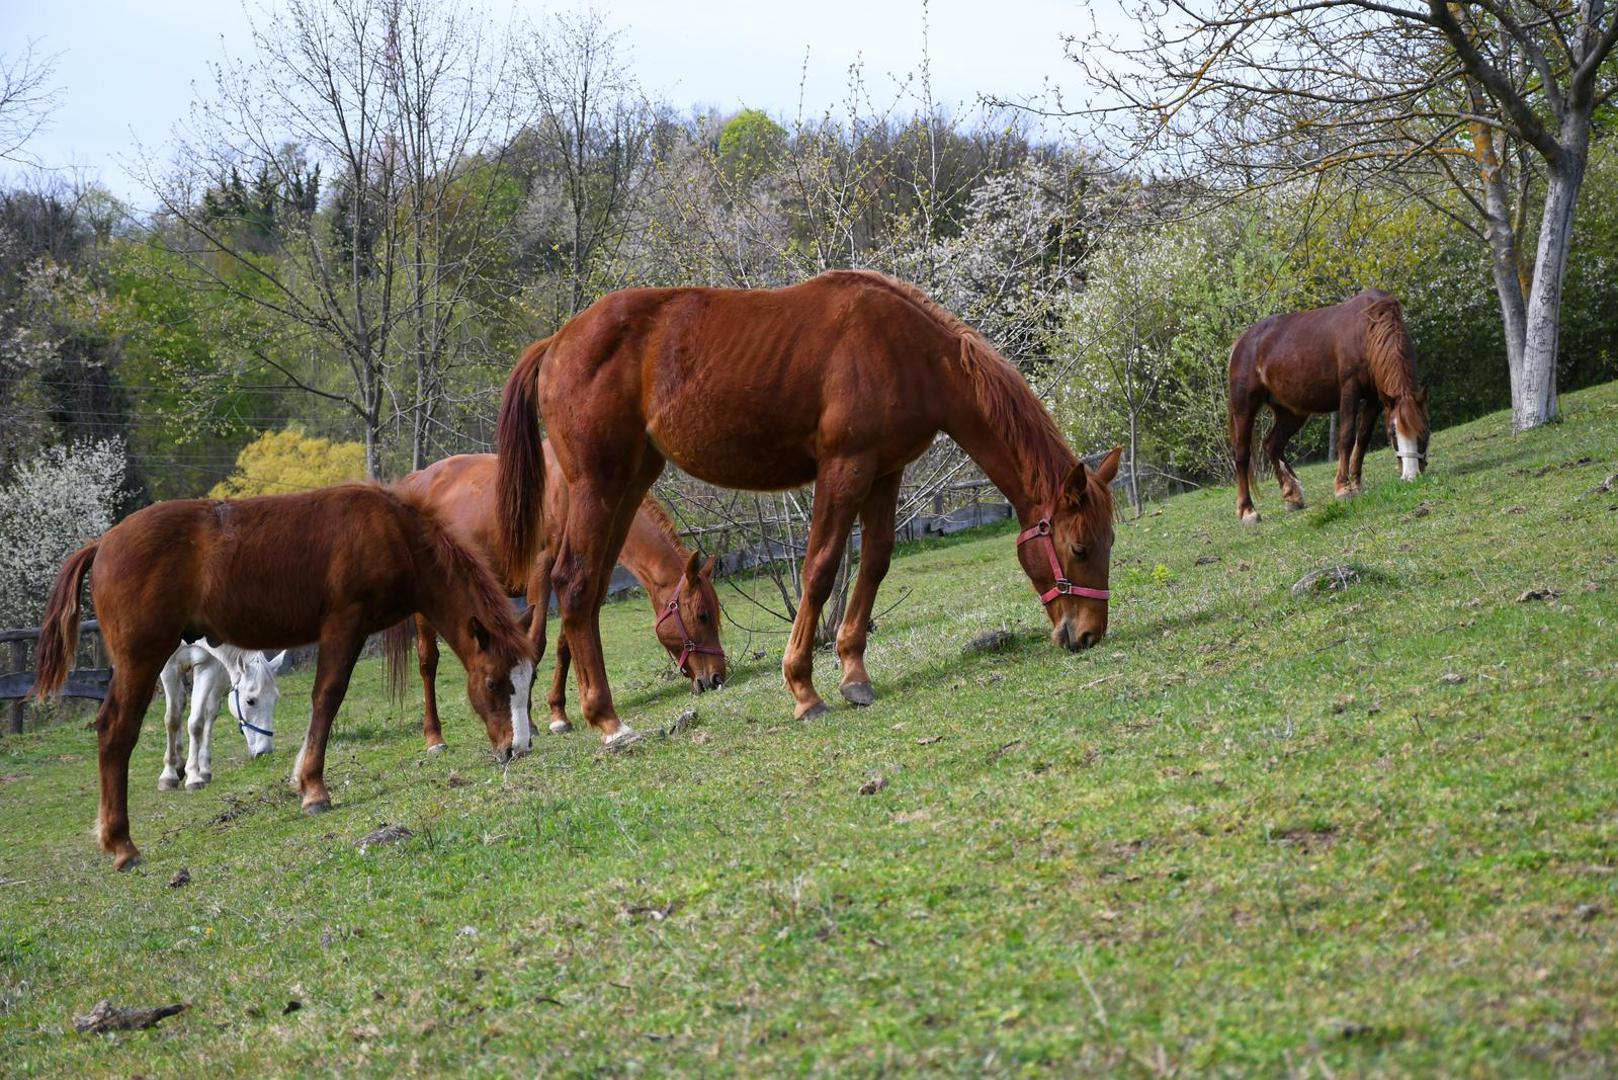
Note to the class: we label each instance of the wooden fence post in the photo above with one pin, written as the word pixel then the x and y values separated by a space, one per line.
pixel 19 656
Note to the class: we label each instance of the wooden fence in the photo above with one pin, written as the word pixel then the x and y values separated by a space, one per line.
pixel 18 679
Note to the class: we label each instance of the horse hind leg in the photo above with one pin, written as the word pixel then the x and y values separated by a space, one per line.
pixel 427 664
pixel 838 494
pixel 1243 412
pixel 560 724
pixel 207 691
pixel 118 729
pixel 1287 424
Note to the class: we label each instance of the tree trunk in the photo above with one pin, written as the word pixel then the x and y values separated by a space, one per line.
pixel 1134 445
pixel 1533 394
pixel 1505 260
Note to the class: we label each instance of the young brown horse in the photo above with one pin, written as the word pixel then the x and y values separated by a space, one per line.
pixel 460 490
pixel 842 380
pixel 328 566
pixel 1354 357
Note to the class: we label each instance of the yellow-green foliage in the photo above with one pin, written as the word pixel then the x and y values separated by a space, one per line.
pixel 281 461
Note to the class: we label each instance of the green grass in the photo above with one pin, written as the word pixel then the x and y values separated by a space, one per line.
pixel 1250 833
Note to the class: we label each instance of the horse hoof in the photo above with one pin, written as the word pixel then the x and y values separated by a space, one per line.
pixel 437 748
pixel 1296 505
pixel 622 739
pixel 127 859
pixel 818 709
pixel 561 727
pixel 1250 518
pixel 168 783
pixel 319 806
pixel 858 694
pixel 196 785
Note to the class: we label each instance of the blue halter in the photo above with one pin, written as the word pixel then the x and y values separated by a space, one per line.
pixel 241 722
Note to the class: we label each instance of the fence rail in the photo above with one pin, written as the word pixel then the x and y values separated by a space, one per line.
pixel 90 682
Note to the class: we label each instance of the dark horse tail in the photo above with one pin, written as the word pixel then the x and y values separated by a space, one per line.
pixel 520 474
pixel 1388 350
pixel 59 630
pixel 396 641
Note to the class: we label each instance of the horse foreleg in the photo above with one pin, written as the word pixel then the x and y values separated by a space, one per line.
pixel 876 552
pixel 340 644
pixel 208 683
pixel 1347 424
pixel 837 496
pixel 118 729
pixel 173 709
pixel 1287 424
pixel 1369 407
pixel 427 665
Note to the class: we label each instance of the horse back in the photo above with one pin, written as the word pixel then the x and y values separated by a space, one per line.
pixel 1303 359
pixel 259 572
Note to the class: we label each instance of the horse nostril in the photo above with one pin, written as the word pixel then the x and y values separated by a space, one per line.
pixel 718 681
pixel 1087 639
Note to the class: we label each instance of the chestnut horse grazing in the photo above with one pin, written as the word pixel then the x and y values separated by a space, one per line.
pixel 460 490
pixel 1354 357
pixel 328 566
pixel 842 380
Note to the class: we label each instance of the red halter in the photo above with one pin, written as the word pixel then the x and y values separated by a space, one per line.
pixel 1041 530
pixel 688 644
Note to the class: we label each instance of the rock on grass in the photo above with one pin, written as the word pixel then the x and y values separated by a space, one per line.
pixel 108 1017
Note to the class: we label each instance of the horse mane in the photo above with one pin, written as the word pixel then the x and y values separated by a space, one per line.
pixel 1007 401
pixel 665 525
pixel 458 563
pixel 1388 350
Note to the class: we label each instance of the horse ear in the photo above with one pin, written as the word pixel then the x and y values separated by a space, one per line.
pixel 525 621
pixel 1076 486
pixel 1421 397
pixel 1107 471
pixel 708 567
pixel 275 665
pixel 479 632
pixel 693 567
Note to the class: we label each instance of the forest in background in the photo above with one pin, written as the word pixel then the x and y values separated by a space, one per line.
pixel 369 215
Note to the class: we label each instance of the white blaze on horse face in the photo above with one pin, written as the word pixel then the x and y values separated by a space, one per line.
pixel 1409 454
pixel 252 700
pixel 522 733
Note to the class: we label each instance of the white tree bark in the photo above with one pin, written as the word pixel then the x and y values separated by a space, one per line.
pixel 1533 394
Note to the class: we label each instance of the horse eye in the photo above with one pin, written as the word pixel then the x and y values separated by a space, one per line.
pixel 702 616
pixel 1080 552
pixel 252 701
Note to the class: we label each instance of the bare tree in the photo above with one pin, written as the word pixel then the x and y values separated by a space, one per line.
pixel 391 101
pixel 1236 95
pixel 27 100
pixel 593 129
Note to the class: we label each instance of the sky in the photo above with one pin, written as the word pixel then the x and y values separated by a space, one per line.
pixel 129 72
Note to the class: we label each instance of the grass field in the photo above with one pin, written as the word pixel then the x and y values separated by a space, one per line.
pixel 1372 831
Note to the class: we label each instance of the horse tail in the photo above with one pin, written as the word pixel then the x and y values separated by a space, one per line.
pixel 520 473
pixel 59 629
pixel 1388 350
pixel 396 641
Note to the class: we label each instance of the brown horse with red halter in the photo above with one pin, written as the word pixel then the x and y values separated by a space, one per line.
pixel 329 566
pixel 460 490
pixel 1354 357
pixel 842 380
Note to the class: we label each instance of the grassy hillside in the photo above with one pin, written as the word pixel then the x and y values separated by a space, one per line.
pixel 1373 830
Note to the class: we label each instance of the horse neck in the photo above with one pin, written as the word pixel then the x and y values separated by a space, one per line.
pixel 655 561
pixel 1029 471
pixel 447 602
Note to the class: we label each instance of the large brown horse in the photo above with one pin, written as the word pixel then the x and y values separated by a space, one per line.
pixel 842 380
pixel 329 566
pixel 460 490
pixel 1354 357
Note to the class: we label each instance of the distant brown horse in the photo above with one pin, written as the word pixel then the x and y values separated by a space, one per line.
pixel 842 380
pixel 1354 357
pixel 328 566
pixel 460 490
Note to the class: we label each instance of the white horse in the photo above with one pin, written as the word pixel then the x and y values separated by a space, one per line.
pixel 245 678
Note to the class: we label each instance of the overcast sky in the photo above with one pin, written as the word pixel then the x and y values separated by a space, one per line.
pixel 128 72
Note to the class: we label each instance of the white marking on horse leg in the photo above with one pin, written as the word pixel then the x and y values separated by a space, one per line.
pixel 621 739
pixel 173 709
pixel 522 732
pixel 1409 455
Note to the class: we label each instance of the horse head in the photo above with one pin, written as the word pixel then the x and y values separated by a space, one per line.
pixel 1067 554
pixel 1408 431
pixel 499 676
pixel 253 693
pixel 688 626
